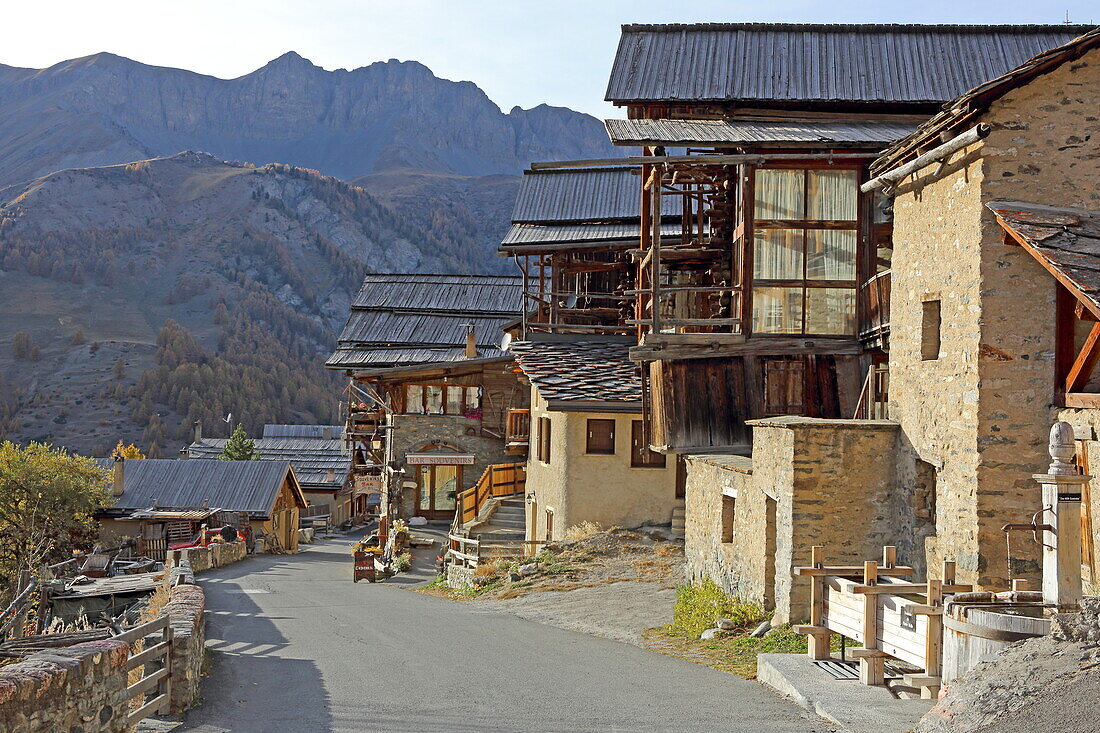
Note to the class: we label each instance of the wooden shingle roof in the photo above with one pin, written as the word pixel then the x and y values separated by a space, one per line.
pixel 581 375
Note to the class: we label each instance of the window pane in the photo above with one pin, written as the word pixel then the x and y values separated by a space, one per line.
pixel 777 254
pixel 414 399
pixel 433 399
pixel 473 398
pixel 830 254
pixel 831 310
pixel 780 194
pixel 425 488
pixel 777 310
pixel 454 400
pixel 446 481
pixel 832 195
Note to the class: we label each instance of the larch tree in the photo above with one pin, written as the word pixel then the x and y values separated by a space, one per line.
pixel 239 447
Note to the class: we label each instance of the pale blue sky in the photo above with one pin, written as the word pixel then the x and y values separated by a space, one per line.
pixel 519 52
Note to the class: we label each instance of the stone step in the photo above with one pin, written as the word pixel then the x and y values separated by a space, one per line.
pixel 505 523
pixel 520 503
pixel 510 512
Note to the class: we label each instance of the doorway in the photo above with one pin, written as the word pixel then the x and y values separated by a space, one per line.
pixel 436 489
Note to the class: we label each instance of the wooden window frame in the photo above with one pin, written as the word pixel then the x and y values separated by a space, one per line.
pixel 466 405
pixel 640 454
pixel 599 424
pixel 804 225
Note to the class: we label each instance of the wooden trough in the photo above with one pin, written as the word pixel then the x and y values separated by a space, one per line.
pixel 889 615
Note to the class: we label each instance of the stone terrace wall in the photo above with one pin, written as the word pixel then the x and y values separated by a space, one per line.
pixel 212 556
pixel 82 688
pixel 79 689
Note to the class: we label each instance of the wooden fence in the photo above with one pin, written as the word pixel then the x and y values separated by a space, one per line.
pixel 890 616
pixel 154 688
pixel 498 480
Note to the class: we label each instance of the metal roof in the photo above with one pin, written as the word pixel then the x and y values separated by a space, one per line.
pixel 468 294
pixel 312 458
pixel 543 234
pixel 580 372
pixel 1065 241
pixel 384 328
pixel 716 133
pixel 350 356
pixel 304 431
pixel 802 62
pixel 963 109
pixel 236 486
pixel 582 195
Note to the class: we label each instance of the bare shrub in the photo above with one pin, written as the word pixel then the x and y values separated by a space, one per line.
pixel 582 530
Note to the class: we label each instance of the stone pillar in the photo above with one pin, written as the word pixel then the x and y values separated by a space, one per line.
pixel 1061 513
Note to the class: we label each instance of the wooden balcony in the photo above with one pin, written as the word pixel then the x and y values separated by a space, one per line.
pixel 517 434
pixel 874 307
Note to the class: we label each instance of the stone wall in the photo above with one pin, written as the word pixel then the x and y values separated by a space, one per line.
pixel 810 482
pixel 412 433
pixel 211 556
pixel 82 688
pixel 583 487
pixel 979 413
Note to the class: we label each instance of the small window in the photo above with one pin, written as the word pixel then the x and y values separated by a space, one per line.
pixel 640 454
pixel 783 386
pixel 473 398
pixel 601 437
pixel 549 524
pixel 454 400
pixel 433 399
pixel 930 330
pixel 729 513
pixel 544 439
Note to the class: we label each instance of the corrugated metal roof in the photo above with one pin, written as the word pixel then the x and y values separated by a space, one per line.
pixel 963 109
pixel 714 133
pixel 533 234
pixel 582 195
pixel 772 62
pixel 380 327
pixel 304 431
pixel 580 371
pixel 433 293
pixel 312 458
pixel 351 356
pixel 236 486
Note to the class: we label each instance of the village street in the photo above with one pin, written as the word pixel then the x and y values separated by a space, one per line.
pixel 296 646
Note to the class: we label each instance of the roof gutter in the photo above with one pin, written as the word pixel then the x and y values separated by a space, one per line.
pixel 889 179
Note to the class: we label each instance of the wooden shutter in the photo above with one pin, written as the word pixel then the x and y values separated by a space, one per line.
pixel 783 387
pixel 601 437
pixel 640 454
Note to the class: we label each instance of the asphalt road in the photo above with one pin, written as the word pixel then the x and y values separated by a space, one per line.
pixel 296 646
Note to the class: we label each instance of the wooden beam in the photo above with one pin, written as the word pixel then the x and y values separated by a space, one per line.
pixel 1085 363
pixel 1080 400
pixel 635 160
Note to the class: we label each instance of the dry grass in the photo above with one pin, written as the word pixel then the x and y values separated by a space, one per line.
pixel 582 530
pixel 668 549
pixel 485 570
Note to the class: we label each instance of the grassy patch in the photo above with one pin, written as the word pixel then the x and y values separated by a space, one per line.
pixel 735 654
pixel 699 606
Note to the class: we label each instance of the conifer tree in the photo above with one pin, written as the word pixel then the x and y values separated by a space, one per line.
pixel 239 447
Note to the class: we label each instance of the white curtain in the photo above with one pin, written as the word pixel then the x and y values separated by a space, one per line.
pixel 832 195
pixel 830 254
pixel 780 194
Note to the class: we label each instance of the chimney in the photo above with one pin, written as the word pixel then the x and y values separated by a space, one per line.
pixel 120 471
pixel 326 432
pixel 197 434
pixel 330 476
pixel 471 343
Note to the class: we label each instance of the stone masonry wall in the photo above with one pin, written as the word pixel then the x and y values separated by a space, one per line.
pixel 78 689
pixel 979 414
pixel 412 432
pixel 186 607
pixel 212 556
pixel 809 482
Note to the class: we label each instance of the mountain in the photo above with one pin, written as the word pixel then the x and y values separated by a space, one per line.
pixel 251 268
pixel 106 109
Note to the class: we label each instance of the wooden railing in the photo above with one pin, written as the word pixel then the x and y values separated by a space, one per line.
pixel 874 398
pixel 154 688
pixel 890 616
pixel 517 431
pixel 469 551
pixel 498 480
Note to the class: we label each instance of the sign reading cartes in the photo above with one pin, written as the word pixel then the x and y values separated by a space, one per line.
pixel 439 459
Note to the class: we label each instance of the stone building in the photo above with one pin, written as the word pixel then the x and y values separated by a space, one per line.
pixel 724 369
pixel 976 372
pixel 430 388
pixel 589 460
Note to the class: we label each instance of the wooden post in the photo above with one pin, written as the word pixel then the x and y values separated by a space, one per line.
pixel 1020 584
pixel 817 643
pixel 871 665
pixel 889 555
pixel 933 641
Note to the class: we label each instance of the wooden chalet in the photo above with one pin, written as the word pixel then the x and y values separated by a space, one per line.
pixel 318 453
pixel 432 399
pixel 773 298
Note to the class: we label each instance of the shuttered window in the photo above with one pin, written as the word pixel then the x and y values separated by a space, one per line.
pixel 640 454
pixel 544 439
pixel 601 437
pixel 783 387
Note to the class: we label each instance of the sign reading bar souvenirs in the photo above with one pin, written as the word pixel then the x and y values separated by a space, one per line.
pixel 439 459
pixel 368 485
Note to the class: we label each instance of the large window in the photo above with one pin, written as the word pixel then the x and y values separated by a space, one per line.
pixel 441 399
pixel 804 251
